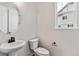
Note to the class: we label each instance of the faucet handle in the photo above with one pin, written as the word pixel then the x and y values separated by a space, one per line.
pixel 9 41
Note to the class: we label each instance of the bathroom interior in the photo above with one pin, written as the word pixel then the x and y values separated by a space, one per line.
pixel 39 29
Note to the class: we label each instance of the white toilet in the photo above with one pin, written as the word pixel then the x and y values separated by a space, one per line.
pixel 39 51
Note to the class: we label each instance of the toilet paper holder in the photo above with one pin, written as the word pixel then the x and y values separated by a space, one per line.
pixel 54 44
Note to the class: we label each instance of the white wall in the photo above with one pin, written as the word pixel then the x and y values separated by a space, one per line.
pixel 27 29
pixel 27 26
pixel 67 40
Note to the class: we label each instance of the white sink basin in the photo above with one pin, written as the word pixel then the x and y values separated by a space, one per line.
pixel 10 47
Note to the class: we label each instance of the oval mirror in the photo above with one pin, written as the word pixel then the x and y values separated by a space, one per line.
pixel 9 18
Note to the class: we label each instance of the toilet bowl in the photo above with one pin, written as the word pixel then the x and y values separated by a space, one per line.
pixel 39 51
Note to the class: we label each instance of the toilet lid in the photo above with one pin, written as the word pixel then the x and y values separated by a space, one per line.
pixel 41 50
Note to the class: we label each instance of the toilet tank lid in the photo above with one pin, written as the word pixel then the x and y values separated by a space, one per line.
pixel 34 39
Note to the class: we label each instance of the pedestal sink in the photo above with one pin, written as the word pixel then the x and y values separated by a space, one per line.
pixel 11 47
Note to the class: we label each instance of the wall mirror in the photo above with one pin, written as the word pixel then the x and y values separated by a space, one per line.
pixel 66 15
pixel 9 18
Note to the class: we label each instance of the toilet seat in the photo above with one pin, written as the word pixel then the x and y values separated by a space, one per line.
pixel 42 51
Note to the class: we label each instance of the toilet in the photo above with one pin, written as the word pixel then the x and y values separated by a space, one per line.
pixel 39 51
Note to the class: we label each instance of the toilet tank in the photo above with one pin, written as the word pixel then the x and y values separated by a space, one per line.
pixel 33 43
